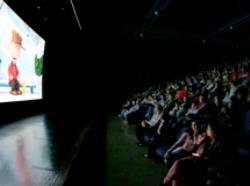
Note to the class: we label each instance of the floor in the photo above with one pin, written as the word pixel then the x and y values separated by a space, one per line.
pixel 126 164
pixel 33 152
pixel 43 151
pixel 109 156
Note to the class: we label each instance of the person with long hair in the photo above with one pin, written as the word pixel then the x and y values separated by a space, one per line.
pixel 191 170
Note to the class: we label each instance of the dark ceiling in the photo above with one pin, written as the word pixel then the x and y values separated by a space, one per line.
pixel 204 21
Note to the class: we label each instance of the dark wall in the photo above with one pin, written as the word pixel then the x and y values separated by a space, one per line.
pixel 85 72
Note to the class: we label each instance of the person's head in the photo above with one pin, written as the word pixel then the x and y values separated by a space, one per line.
pixel 177 104
pixel 200 127
pixel 150 97
pixel 184 99
pixel 170 97
pixel 133 102
pixel 231 84
pixel 159 108
pixel 182 105
pixel 138 100
pixel 201 98
pixel 192 106
pixel 216 100
pixel 127 102
pixel 223 110
pixel 212 130
pixel 162 97
pixel 15 46
pixel 230 104
pixel 194 125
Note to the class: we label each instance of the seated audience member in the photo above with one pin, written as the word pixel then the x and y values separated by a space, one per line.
pixel 192 170
pixel 149 104
pixel 187 143
pixel 125 108
pixel 150 126
pixel 226 98
pixel 182 93
pixel 233 89
pixel 162 101
pixel 134 108
pixel 192 110
pixel 201 103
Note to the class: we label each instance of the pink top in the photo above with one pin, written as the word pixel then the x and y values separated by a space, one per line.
pixel 187 142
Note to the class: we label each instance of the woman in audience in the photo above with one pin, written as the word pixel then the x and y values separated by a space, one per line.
pixel 191 170
pixel 186 144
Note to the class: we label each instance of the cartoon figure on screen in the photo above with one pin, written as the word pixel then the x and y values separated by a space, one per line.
pixel 13 72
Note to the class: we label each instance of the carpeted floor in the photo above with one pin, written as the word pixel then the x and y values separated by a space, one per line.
pixel 126 165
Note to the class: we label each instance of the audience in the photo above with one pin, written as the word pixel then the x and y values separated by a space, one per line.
pixel 197 124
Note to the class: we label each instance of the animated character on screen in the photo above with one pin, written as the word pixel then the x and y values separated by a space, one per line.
pixel 13 72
